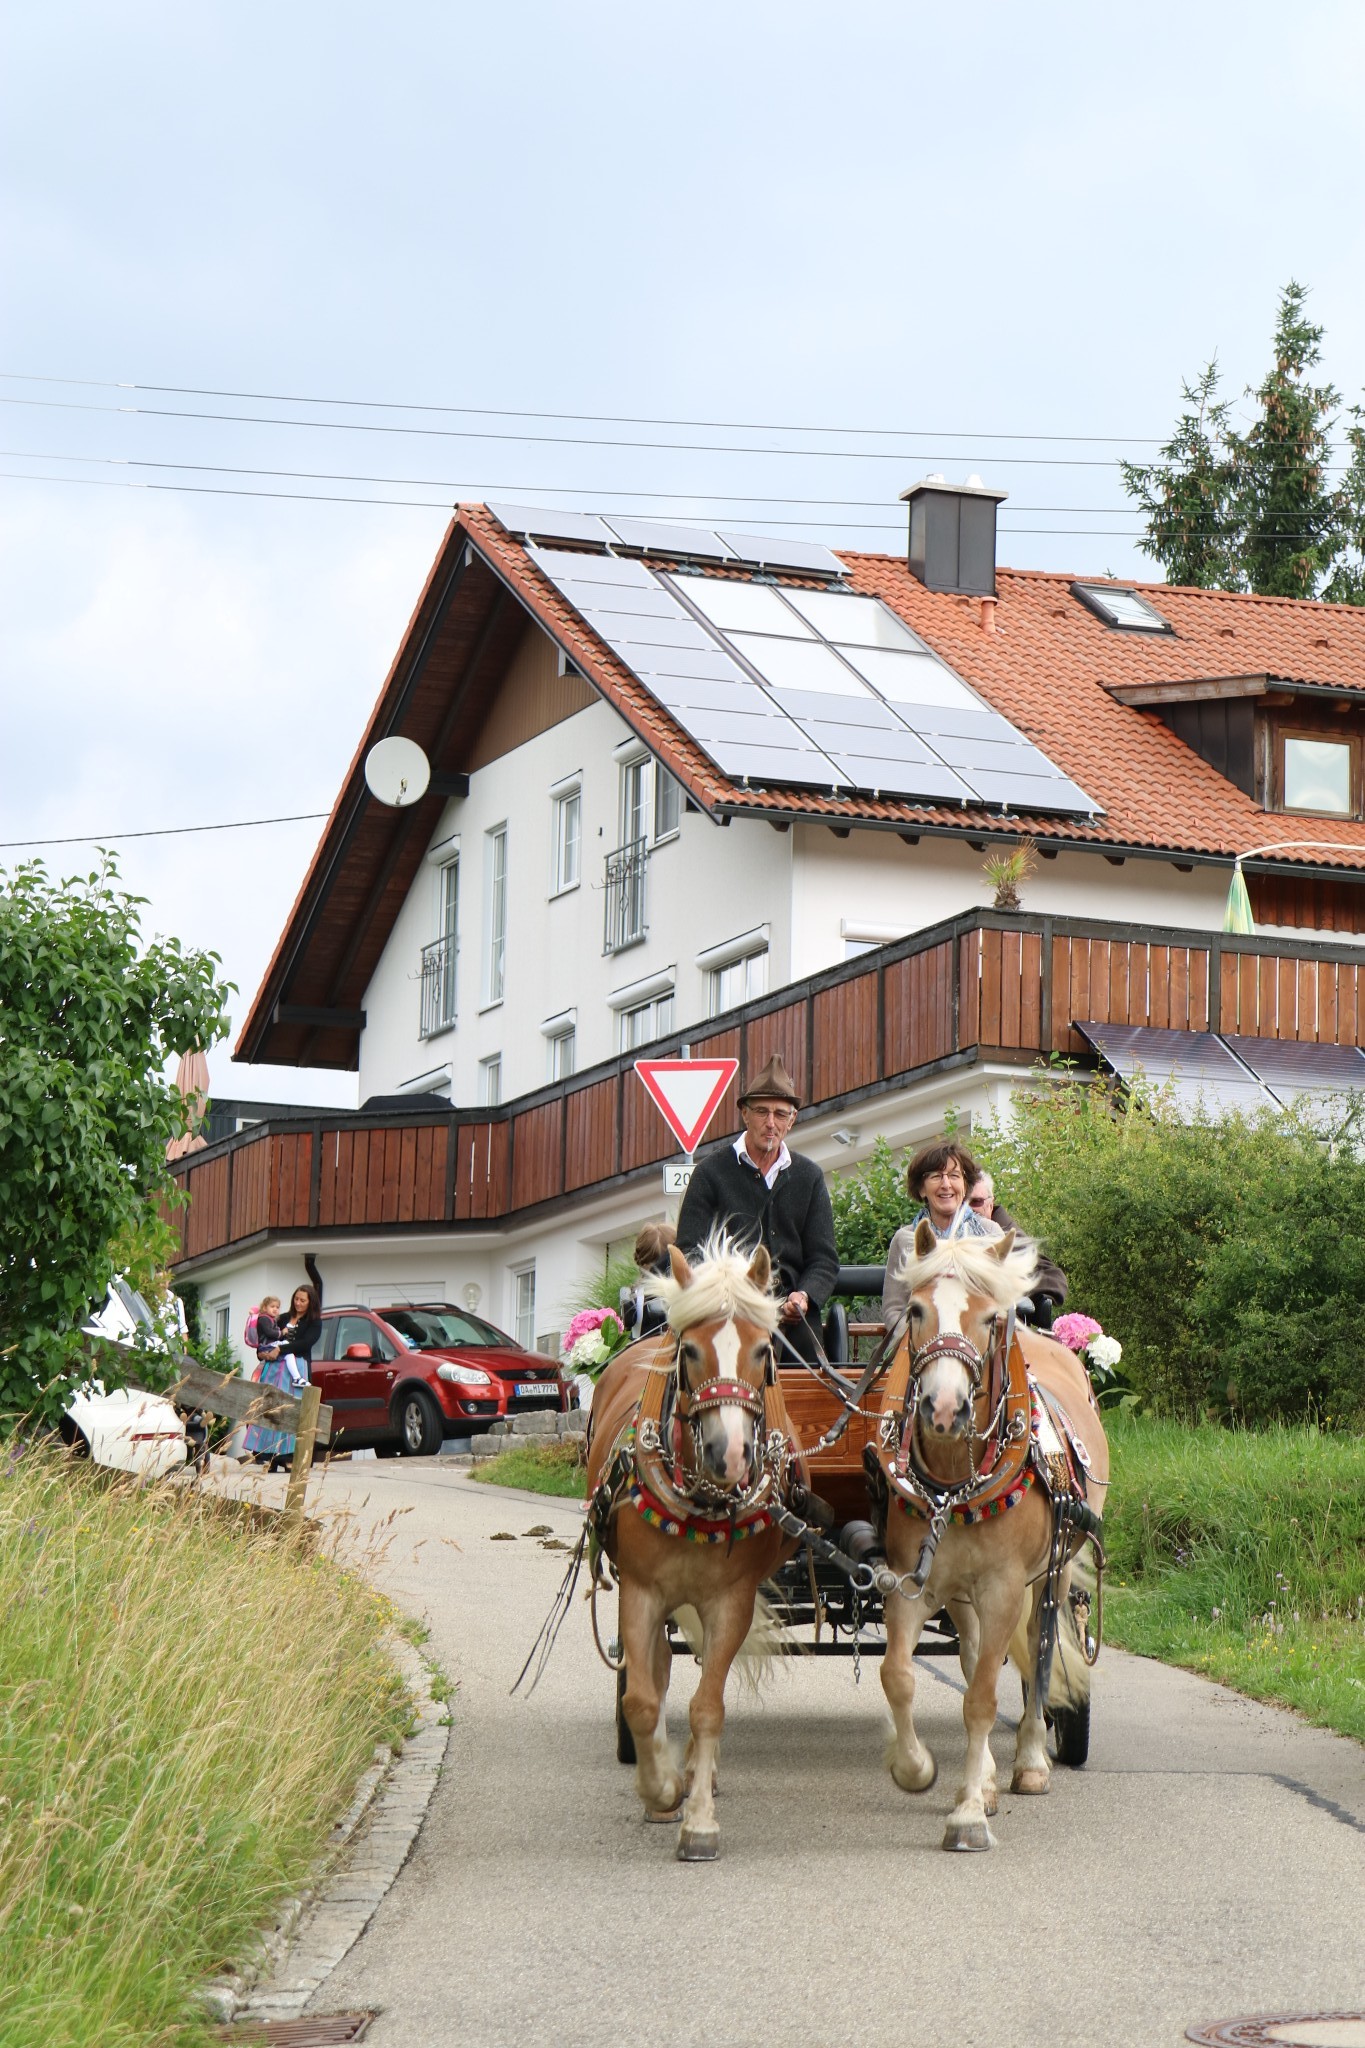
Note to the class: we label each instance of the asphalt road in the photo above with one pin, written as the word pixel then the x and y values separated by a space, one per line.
pixel 1209 1861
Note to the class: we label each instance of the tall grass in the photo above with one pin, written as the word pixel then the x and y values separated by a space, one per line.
pixel 186 1703
pixel 1241 1554
pixel 551 1468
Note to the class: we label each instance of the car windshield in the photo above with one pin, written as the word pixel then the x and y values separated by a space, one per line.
pixel 435 1329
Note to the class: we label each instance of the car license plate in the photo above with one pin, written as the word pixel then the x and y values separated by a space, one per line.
pixel 525 1387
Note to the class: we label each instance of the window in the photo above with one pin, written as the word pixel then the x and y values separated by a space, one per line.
pixel 738 981
pixel 355 1329
pixel 439 958
pixel 1317 775
pixel 218 1316
pixel 646 1021
pixel 1122 608
pixel 634 800
pixel 490 1081
pixel 667 803
pixel 524 1307
pixel 561 1051
pixel 495 914
pixel 568 841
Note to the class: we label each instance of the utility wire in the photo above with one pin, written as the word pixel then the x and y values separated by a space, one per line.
pixel 165 831
pixel 600 419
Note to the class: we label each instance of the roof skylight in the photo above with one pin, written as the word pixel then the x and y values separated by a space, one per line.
pixel 1124 608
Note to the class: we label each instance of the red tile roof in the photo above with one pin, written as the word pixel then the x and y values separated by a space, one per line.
pixel 1049 667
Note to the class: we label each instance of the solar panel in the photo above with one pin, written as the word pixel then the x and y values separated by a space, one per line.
pixel 609 569
pixel 1291 1068
pixel 684 543
pixel 764 552
pixel 911 678
pixel 540 522
pixel 745 607
pixel 1196 1066
pixel 854 621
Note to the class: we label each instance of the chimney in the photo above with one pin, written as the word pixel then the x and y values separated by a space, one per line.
pixel 952 535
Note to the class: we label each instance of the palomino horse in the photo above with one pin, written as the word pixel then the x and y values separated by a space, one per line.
pixel 986 1493
pixel 687 1454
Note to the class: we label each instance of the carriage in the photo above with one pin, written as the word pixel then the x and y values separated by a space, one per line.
pixel 823 1611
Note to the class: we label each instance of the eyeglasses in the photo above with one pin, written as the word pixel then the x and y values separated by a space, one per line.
pixel 983 1204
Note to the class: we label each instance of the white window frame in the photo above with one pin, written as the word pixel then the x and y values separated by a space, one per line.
pixel 566 873
pixel 523 1305
pixel 218 1317
pixel 494 915
pixel 754 983
pixel 714 961
pixel 634 819
pixel 665 786
pixel 490 1081
pixel 561 1054
pixel 643 1022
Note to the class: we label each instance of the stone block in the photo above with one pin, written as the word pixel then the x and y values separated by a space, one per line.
pixel 540 1422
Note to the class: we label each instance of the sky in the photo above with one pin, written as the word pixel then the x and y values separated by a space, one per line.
pixel 751 262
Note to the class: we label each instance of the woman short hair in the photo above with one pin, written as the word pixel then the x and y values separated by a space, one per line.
pixel 932 1158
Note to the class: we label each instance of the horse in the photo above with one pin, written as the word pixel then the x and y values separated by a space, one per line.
pixel 688 1454
pixel 992 1469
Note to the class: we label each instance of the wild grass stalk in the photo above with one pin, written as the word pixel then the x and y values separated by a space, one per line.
pixel 186 1702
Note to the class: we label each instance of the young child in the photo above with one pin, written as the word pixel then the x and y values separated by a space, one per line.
pixel 267 1328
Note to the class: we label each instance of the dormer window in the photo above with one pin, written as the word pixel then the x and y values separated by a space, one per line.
pixel 1317 775
pixel 1121 608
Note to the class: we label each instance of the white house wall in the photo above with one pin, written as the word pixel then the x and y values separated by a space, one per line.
pixel 705 886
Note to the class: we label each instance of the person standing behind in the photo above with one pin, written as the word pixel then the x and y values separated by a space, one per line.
pixel 760 1192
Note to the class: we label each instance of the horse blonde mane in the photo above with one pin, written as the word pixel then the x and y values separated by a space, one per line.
pixel 972 1260
pixel 720 1288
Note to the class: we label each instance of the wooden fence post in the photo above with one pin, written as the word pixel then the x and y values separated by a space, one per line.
pixel 309 1402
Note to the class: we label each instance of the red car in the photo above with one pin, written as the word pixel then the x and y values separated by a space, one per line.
pixel 402 1379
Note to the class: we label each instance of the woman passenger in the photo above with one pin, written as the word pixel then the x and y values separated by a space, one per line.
pixel 938 1178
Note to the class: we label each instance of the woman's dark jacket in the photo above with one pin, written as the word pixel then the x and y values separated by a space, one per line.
pixel 302 1339
pixel 793 1219
pixel 1051 1279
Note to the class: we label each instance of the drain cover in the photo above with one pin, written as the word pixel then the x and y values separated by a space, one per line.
pixel 1285 2030
pixel 316 2030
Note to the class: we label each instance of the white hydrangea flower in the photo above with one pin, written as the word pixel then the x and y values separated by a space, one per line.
pixel 1103 1354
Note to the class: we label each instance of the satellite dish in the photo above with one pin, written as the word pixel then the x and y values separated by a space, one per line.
pixel 397 772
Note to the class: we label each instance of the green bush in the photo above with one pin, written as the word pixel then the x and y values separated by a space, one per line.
pixel 1226 1252
pixel 870 1204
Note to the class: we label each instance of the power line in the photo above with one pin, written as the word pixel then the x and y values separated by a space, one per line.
pixel 165 831
pixel 601 419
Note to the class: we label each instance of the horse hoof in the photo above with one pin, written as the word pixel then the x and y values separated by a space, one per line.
pixel 970 1835
pixel 698 1845
pixel 916 1782
pixel 660 1818
pixel 991 1801
pixel 1032 1780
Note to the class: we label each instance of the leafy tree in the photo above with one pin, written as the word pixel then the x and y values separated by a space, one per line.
pixel 88 1018
pixel 1291 518
pixel 1256 510
pixel 1189 498
pixel 870 1204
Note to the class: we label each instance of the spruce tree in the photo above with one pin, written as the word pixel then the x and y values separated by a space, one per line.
pixel 1291 519
pixel 1189 498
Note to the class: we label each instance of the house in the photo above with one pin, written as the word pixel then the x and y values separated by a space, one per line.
pixel 704 788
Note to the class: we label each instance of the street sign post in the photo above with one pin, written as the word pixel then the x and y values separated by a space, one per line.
pixel 687 1094
pixel 677 1174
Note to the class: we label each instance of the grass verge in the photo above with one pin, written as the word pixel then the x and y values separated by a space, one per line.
pixel 553 1468
pixel 1241 1555
pixel 186 1703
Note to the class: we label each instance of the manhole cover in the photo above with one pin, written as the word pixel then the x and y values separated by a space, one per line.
pixel 317 2030
pixel 1286 2029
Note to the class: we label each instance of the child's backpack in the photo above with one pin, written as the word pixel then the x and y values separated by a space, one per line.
pixel 249 1334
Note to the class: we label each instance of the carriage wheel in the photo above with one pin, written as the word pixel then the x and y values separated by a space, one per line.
pixel 625 1741
pixel 1071 1734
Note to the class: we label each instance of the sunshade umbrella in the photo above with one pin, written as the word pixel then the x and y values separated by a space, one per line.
pixel 192 1079
pixel 1237 915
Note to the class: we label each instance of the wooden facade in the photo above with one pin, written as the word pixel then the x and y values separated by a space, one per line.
pixel 982 986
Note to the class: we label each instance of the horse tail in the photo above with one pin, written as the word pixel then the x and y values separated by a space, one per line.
pixel 1069 1685
pixel 767 1640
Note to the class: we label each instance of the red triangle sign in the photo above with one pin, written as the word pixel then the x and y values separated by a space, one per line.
pixel 687 1093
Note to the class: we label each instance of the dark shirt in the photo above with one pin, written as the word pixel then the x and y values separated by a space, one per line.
pixel 793 1218
pixel 301 1337
pixel 267 1332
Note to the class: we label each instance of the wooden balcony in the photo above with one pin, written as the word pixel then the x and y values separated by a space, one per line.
pixel 981 986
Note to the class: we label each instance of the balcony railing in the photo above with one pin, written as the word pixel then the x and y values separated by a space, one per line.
pixel 438 985
pixel 625 922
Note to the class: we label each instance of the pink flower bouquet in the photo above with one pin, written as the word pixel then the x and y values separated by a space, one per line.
pixel 1085 1335
pixel 591 1338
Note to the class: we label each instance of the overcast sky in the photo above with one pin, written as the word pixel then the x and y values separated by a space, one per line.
pixel 954 225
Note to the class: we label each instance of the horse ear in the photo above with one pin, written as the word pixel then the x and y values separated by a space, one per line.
pixel 761 1269
pixel 1003 1249
pixel 925 1239
pixel 682 1272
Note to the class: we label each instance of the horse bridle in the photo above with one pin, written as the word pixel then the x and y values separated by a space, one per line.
pixel 687 1405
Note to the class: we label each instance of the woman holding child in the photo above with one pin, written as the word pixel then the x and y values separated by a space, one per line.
pixel 285 1352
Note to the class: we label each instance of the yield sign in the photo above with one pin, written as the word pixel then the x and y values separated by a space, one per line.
pixel 687 1093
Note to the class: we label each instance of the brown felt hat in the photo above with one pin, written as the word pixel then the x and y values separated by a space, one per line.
pixel 772 1083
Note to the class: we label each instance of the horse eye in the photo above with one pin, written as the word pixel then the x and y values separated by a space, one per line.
pixel 916 1311
pixel 691 1353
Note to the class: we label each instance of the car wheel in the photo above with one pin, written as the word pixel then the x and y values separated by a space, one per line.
pixel 78 1443
pixel 419 1424
pixel 387 1450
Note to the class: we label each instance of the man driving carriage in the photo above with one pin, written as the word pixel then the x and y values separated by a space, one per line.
pixel 761 1192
